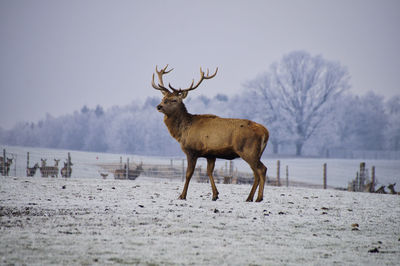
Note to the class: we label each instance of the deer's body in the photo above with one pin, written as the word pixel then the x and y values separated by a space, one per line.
pixel 47 171
pixel 66 171
pixel 31 171
pixel 392 190
pixel 5 165
pixel 212 137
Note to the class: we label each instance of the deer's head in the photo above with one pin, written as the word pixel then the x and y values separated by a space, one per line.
pixel 172 100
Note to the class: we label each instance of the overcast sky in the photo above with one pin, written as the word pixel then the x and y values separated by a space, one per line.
pixel 56 56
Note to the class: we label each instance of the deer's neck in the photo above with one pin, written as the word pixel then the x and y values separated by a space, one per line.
pixel 178 122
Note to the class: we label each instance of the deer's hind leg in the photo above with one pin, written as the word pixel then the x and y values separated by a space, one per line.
pixel 259 171
pixel 210 169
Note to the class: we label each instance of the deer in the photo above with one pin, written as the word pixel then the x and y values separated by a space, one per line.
pixel 49 170
pixel 381 190
pixel 5 165
pixel 211 137
pixel 392 191
pixel 66 171
pixel 31 171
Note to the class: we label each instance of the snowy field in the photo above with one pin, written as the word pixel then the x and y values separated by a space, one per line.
pixel 93 221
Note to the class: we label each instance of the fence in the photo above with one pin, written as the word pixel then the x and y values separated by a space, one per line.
pixel 303 172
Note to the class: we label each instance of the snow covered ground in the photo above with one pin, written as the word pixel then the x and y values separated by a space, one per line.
pixel 93 221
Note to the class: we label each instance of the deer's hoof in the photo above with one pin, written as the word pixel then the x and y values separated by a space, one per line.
pixel 181 197
pixel 249 200
pixel 259 199
pixel 214 198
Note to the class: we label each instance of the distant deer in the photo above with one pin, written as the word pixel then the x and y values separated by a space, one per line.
pixel 49 170
pixel 66 171
pixel 391 188
pixel 31 171
pixel 104 175
pixel 381 190
pixel 212 137
pixel 5 165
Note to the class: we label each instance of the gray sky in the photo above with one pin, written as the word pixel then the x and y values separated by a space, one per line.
pixel 56 56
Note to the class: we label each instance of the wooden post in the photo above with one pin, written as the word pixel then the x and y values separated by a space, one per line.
pixel 127 168
pixel 356 182
pixel 362 177
pixel 27 162
pixel 287 176
pixel 373 179
pixel 278 170
pixel 230 168
pixel 68 174
pixel 4 162
pixel 325 176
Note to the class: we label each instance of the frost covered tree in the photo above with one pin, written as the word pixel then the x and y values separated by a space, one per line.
pixel 262 106
pixel 299 92
pixel 361 122
pixel 393 127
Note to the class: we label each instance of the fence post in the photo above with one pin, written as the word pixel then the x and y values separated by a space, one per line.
pixel 278 170
pixel 362 177
pixel 230 168
pixel 27 162
pixel 325 176
pixel 4 162
pixel 127 168
pixel 15 165
pixel 373 178
pixel 287 176
pixel 68 174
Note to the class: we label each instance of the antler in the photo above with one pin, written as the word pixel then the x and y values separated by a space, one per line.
pixel 182 92
pixel 202 77
pixel 160 85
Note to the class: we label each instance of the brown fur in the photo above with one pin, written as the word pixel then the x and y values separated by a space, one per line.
pixel 212 137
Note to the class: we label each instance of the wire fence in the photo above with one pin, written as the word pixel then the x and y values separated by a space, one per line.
pixel 51 163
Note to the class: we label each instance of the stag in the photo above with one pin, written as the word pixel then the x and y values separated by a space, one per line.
pixel 211 137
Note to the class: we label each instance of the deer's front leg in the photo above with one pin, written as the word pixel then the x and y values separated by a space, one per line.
pixel 210 170
pixel 189 172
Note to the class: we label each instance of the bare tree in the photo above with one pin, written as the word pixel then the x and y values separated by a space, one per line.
pixel 299 93
pixel 264 108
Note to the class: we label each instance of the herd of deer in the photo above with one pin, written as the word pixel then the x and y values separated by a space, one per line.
pixel 381 190
pixel 52 171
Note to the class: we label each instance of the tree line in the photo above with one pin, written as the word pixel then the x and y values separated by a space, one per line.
pixel 303 100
